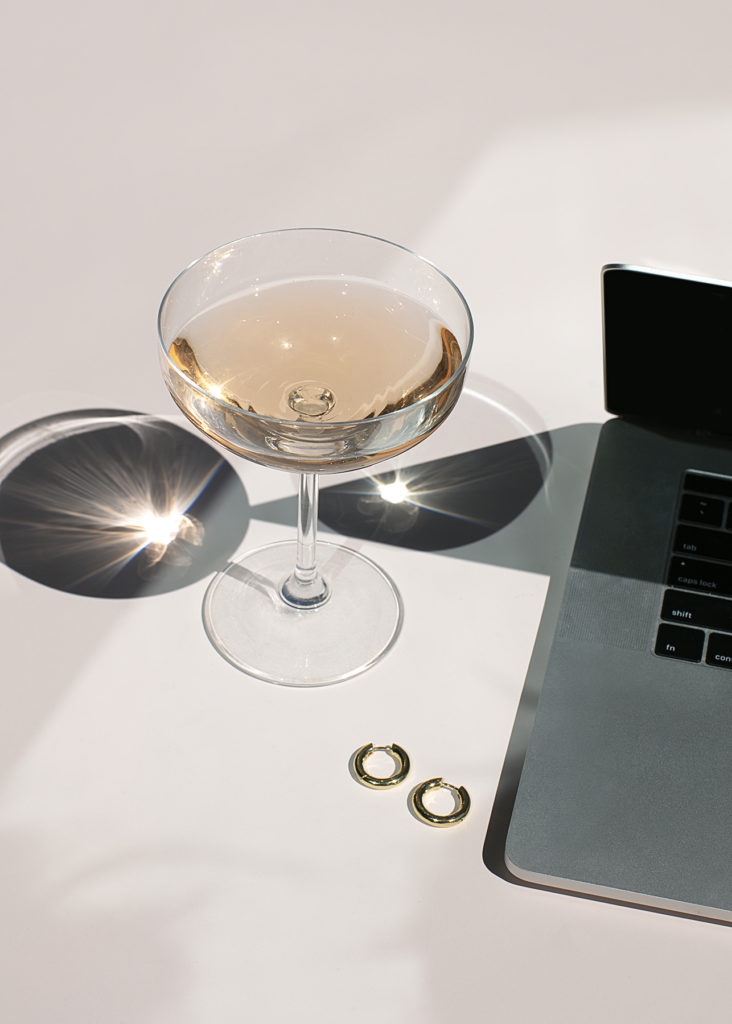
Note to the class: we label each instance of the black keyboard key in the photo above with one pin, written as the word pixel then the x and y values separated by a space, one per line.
pixel 697 509
pixel 719 651
pixel 695 540
pixel 706 484
pixel 697 610
pixel 705 576
pixel 679 642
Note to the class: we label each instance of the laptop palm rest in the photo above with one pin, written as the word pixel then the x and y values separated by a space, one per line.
pixel 626 790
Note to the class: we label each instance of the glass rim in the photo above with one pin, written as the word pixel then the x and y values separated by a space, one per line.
pixel 329 423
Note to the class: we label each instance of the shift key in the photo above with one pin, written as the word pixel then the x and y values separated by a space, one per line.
pixel 697 575
pixel 697 610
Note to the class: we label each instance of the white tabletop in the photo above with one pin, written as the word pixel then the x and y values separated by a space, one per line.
pixel 183 844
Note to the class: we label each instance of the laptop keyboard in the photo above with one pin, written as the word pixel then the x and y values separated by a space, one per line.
pixel 696 611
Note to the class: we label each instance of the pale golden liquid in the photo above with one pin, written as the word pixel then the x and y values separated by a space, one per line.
pixel 319 353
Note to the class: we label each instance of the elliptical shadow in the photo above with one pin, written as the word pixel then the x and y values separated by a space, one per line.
pixel 514 504
pixel 454 501
pixel 445 503
pixel 115 504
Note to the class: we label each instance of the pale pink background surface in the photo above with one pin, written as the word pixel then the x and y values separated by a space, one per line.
pixel 180 844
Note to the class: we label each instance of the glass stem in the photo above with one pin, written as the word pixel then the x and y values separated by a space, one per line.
pixel 305 587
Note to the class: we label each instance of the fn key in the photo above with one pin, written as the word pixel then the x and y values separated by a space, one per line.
pixel 679 642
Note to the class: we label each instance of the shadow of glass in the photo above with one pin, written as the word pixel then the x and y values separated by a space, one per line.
pixel 105 503
pixel 445 503
pixel 454 500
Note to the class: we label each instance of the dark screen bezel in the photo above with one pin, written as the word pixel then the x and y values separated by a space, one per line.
pixel 631 389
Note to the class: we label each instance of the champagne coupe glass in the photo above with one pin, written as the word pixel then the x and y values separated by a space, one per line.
pixel 314 351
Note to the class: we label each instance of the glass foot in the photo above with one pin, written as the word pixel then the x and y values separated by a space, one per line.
pixel 251 626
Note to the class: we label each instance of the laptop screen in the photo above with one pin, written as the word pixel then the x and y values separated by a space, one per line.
pixel 668 349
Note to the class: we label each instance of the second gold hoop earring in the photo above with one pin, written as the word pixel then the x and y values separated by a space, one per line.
pixel 429 817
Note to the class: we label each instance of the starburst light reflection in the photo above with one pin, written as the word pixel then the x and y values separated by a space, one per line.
pixel 157 529
pixel 394 492
pixel 85 507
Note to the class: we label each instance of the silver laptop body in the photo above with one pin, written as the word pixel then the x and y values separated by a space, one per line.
pixel 626 789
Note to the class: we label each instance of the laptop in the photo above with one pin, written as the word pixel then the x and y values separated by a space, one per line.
pixel 626 789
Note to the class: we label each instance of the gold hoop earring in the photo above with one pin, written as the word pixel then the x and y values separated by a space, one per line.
pixel 375 781
pixel 440 820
